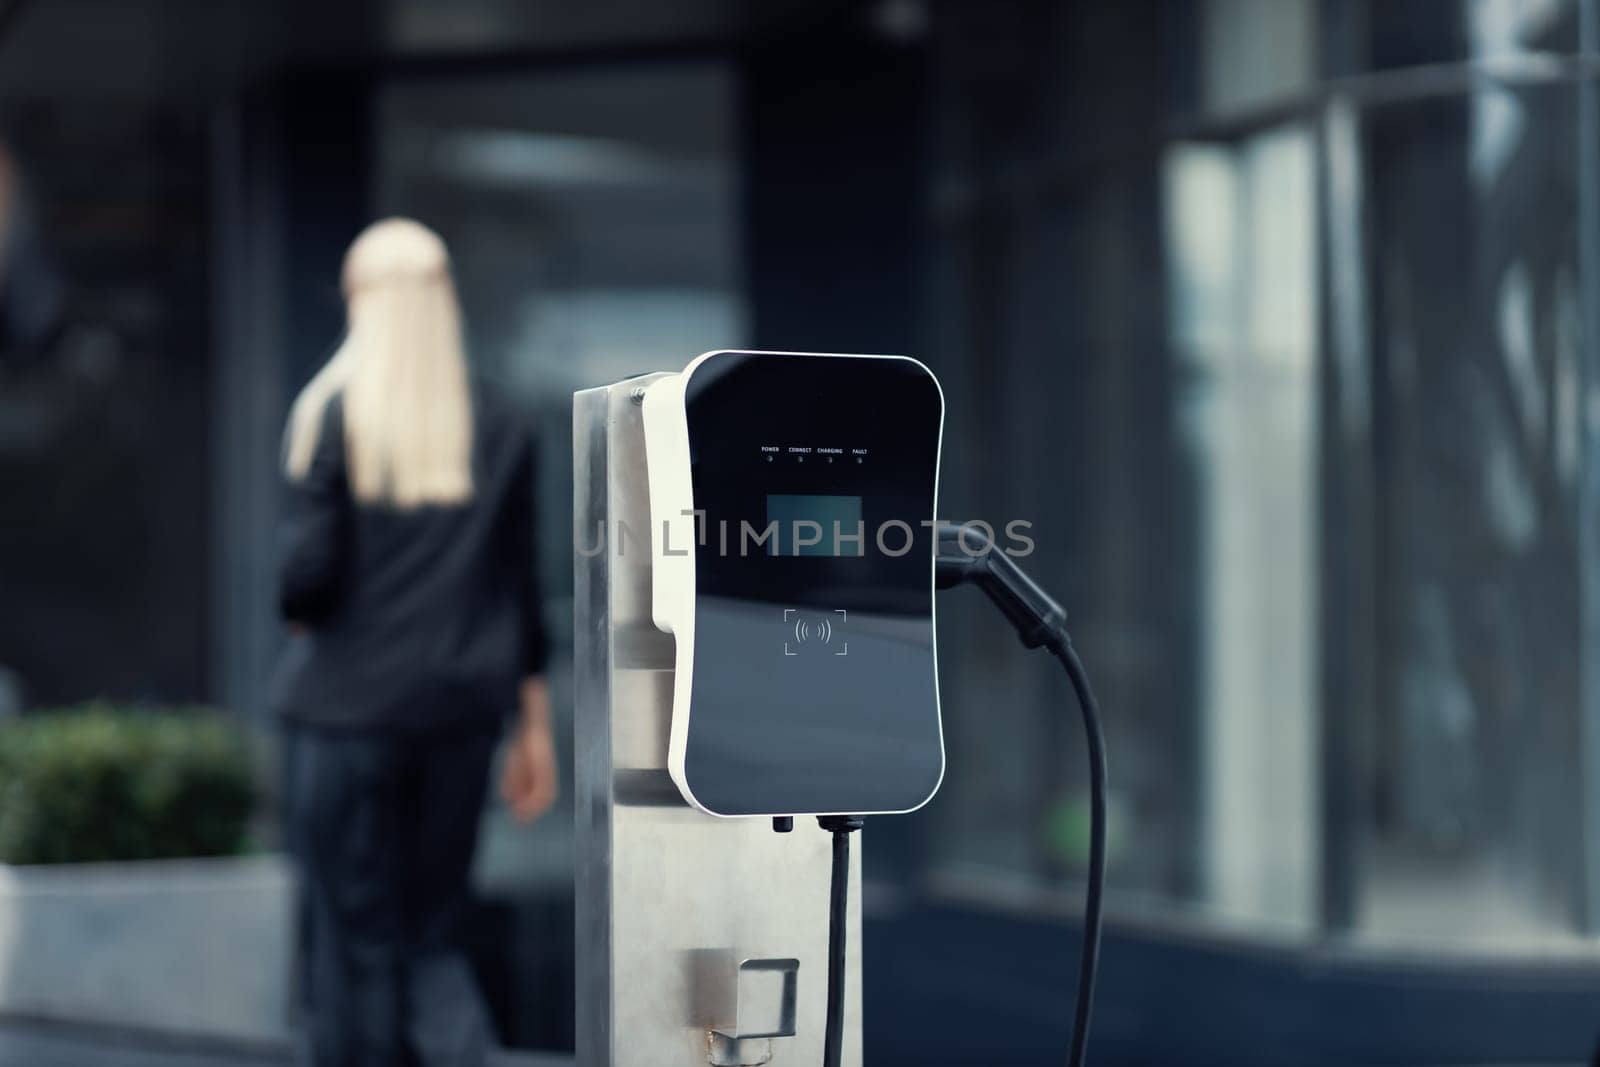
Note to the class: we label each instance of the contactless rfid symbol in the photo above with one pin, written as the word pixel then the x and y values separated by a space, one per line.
pixel 802 630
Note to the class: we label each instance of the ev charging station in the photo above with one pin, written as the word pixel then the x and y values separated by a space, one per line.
pixel 804 677
pixel 756 560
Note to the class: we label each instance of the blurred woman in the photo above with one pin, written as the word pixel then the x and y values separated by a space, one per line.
pixel 408 578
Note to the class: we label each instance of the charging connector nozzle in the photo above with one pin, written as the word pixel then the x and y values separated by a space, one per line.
pixel 967 554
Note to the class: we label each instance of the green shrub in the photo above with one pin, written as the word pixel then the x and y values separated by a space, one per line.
pixel 101 783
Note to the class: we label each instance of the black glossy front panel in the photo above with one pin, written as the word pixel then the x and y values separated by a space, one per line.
pixel 814 675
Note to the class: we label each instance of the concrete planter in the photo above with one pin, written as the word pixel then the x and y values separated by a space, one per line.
pixel 199 947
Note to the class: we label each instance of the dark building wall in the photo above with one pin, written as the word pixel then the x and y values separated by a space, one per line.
pixel 835 191
pixel 104 484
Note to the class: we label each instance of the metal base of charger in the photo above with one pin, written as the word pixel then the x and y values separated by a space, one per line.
pixel 699 940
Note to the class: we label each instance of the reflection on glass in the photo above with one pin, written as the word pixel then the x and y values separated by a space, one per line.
pixel 1301 398
pixel 1240 219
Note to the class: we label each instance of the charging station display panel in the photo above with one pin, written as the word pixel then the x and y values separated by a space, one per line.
pixel 814 685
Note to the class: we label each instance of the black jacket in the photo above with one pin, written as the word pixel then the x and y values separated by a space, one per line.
pixel 413 619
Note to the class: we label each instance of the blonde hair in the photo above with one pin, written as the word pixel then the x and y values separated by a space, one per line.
pixel 401 372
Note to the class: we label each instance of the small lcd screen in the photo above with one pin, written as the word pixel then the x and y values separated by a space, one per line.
pixel 806 525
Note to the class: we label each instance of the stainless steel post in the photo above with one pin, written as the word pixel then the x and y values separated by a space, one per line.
pixel 698 938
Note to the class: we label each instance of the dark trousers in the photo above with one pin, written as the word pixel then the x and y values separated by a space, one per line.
pixel 383 828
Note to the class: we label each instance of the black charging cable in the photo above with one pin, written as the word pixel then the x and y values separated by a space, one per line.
pixel 967 554
pixel 841 827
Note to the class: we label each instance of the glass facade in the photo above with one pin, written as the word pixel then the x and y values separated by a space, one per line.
pixel 1301 384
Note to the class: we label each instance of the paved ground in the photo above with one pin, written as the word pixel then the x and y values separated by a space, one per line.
pixel 48 1045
